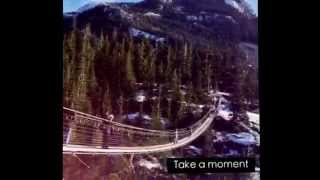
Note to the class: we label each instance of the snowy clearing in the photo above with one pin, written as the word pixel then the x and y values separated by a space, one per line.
pixel 149 164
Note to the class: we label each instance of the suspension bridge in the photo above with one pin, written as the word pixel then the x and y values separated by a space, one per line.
pixel 87 134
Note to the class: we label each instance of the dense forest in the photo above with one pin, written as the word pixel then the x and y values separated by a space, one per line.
pixel 101 72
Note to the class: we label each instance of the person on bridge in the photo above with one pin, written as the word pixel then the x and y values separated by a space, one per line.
pixel 109 116
pixel 108 131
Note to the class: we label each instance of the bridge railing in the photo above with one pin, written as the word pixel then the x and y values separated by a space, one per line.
pixel 89 130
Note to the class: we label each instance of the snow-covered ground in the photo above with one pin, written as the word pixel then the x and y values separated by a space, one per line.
pixel 242 138
pixel 152 14
pixel 254 117
pixel 133 117
pixel 255 176
pixel 225 114
pixel 254 120
pixel 166 1
pixel 140 97
pixel 193 150
pixel 220 16
pixel 136 32
pixel 194 18
pixel 150 164
pixel 225 111
pixel 199 106
pixel 68 14
pixel 90 5
pixel 232 152
pixel 219 93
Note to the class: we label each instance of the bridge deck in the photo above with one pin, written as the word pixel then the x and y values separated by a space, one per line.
pixel 82 143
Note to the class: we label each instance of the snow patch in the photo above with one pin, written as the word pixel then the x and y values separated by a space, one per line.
pixel 136 33
pixel 254 120
pixel 152 14
pixel 220 93
pixel 194 18
pixel 91 5
pixel 230 18
pixel 218 137
pixel 149 164
pixel 235 5
pixel 203 12
pixel 232 152
pixel 195 149
pixel 179 8
pixel 133 116
pixel 225 114
pixel 254 117
pixel 140 98
pixel 242 138
pixel 69 14
pixel 198 106
pixel 166 1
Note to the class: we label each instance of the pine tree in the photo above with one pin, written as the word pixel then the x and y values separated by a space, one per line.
pixel 161 63
pixel 107 45
pixel 174 85
pixel 238 85
pixel 156 123
pixel 130 78
pixel 189 95
pixel 181 107
pixel 102 42
pixel 177 98
pixel 93 88
pixel 197 76
pixel 73 43
pixel 161 71
pixel 114 35
pixel 119 78
pixel 207 72
pixel 67 72
pixel 152 70
pixel 142 60
pixel 209 148
pixel 148 62
pixel 187 62
pixel 120 103
pixel 169 108
pixel 86 60
pixel 168 68
pixel 107 108
pixel 115 75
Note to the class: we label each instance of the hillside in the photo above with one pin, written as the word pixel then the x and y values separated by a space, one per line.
pixel 201 21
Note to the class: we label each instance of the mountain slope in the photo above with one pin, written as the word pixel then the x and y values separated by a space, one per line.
pixel 200 22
